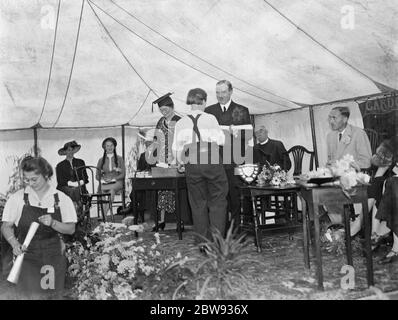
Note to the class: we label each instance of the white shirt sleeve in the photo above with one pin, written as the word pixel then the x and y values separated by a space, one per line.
pixel 13 208
pixel 68 211
pixel 218 135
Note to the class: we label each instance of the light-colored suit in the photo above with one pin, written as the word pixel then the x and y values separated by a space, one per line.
pixel 354 141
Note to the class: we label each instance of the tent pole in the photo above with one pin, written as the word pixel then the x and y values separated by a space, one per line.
pixel 35 147
pixel 312 122
pixel 124 159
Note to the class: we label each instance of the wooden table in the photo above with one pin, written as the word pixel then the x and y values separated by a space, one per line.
pixel 160 183
pixel 254 191
pixel 317 196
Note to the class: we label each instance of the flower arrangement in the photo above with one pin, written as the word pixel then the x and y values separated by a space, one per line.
pixel 345 170
pixel 272 175
pixel 117 266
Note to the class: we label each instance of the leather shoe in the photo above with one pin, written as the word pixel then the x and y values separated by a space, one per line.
pixel 390 257
pixel 384 239
pixel 161 226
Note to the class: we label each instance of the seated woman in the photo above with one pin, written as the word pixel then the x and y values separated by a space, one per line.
pixel 67 180
pixel 388 213
pixel 42 203
pixel 110 170
pixel 385 217
pixel 383 159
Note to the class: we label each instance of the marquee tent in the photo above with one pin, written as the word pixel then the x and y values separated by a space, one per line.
pixel 100 63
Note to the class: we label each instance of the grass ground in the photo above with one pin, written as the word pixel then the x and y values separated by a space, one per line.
pixel 280 273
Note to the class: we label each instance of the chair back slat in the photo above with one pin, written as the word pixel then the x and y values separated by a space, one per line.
pixel 298 153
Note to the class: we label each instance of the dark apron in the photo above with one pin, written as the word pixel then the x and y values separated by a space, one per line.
pixel 44 265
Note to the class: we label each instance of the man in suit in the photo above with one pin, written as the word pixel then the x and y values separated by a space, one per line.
pixel 230 114
pixel 347 139
pixel 269 150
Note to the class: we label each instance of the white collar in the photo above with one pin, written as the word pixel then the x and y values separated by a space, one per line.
pixel 264 142
pixel 29 190
pixel 226 105
pixel 109 155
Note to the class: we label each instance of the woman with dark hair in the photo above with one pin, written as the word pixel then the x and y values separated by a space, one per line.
pixel 164 134
pixel 110 169
pixel 385 213
pixel 39 202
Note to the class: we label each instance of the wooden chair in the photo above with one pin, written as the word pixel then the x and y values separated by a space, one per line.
pixel 298 153
pixel 94 197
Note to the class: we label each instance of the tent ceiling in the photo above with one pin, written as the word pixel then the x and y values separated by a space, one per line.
pixel 270 50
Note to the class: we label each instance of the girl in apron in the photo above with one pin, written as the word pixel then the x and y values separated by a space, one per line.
pixel 44 266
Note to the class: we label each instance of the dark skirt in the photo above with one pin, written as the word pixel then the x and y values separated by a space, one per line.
pixel 388 208
pixel 375 190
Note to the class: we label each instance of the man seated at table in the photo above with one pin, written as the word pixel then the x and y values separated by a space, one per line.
pixel 270 150
pixel 346 139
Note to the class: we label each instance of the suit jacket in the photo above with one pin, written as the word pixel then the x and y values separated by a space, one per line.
pixel 235 115
pixel 354 141
pixel 274 152
pixel 65 172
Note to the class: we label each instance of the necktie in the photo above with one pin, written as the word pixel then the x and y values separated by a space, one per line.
pixel 340 134
pixel 225 109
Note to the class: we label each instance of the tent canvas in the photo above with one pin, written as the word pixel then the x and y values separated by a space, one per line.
pixel 101 63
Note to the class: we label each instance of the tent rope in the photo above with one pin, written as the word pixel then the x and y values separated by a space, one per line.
pixel 321 45
pixel 120 50
pixel 195 55
pixel 51 63
pixel 183 62
pixel 73 63
pixel 139 109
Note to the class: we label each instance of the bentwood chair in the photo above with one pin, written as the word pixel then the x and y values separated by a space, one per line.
pixel 94 196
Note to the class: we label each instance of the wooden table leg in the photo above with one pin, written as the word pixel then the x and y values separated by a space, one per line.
pixel 368 248
pixel 305 235
pixel 347 228
pixel 318 246
pixel 178 212
pixel 256 230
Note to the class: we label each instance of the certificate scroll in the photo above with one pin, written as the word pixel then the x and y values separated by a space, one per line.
pixel 16 268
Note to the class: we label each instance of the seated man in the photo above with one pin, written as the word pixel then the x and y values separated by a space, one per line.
pixel 269 150
pixel 347 139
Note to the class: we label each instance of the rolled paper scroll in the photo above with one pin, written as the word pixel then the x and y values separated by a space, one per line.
pixel 17 266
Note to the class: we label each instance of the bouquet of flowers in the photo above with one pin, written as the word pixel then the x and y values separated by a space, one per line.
pixel 272 175
pixel 344 170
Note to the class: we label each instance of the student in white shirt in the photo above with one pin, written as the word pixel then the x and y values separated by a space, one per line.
pixel 199 134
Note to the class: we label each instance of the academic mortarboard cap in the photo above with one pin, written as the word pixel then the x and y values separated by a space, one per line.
pixel 164 101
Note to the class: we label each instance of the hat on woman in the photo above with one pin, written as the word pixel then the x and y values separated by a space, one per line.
pixel 113 140
pixel 76 147
pixel 164 100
